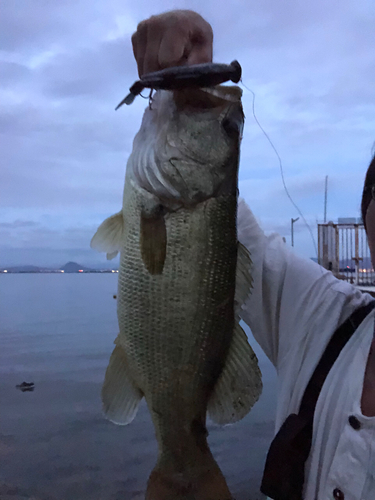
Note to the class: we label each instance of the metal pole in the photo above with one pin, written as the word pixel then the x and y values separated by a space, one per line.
pixel 357 258
pixel 292 221
pixel 325 200
pixel 319 245
pixel 337 250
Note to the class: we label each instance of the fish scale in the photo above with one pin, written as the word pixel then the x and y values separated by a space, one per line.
pixel 160 315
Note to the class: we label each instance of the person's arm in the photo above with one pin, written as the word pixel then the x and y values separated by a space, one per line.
pixel 171 39
pixel 294 302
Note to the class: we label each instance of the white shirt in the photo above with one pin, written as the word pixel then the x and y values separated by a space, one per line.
pixel 293 311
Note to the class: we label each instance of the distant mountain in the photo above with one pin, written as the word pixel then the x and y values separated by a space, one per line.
pixel 73 267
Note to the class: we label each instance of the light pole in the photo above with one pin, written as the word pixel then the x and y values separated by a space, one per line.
pixel 292 221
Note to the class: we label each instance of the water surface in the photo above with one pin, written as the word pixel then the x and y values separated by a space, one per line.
pixel 57 330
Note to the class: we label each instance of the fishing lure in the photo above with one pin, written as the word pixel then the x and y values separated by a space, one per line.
pixel 180 77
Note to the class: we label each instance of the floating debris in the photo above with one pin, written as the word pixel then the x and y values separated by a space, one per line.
pixel 26 386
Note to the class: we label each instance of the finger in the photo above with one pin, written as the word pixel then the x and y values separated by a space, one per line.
pixel 202 43
pixel 139 41
pixel 174 47
pixel 134 44
pixel 136 50
pixel 199 55
pixel 154 37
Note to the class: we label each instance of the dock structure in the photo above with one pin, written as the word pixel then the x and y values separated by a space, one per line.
pixel 343 249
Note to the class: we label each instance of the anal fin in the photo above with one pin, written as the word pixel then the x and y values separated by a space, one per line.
pixel 239 385
pixel 120 395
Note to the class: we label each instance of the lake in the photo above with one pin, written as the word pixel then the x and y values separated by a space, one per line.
pixel 57 330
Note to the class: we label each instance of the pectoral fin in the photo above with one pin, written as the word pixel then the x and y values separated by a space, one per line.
pixel 120 395
pixel 153 241
pixel 239 385
pixel 243 276
pixel 109 236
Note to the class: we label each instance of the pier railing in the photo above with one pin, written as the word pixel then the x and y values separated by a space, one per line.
pixel 343 249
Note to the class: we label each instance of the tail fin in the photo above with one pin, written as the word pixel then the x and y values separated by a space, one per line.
pixel 207 483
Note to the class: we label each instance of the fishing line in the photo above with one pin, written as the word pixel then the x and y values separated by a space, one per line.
pixel 281 170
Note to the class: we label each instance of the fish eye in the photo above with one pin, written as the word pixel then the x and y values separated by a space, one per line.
pixel 231 126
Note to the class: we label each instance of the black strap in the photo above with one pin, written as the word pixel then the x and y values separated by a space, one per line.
pixel 331 353
pixel 284 471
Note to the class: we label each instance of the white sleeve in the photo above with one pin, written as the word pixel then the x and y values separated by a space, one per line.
pixel 292 297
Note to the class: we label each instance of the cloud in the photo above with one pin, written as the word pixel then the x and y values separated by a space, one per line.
pixel 18 224
pixel 38 28
pixel 13 74
pixel 81 74
pixel 66 65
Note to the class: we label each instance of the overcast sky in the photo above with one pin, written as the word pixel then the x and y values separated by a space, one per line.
pixel 66 64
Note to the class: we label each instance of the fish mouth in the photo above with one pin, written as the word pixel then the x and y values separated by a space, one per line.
pixel 207 97
pixel 230 93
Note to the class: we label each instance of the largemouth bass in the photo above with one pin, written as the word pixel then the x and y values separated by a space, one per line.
pixel 182 279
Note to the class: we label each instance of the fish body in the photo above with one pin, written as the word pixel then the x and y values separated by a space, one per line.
pixel 180 345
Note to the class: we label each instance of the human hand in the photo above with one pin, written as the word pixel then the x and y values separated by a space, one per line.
pixel 174 38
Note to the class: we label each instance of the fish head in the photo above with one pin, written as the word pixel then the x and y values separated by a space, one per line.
pixel 187 149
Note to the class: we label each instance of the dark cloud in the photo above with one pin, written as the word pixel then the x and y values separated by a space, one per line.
pixel 46 237
pixel 13 74
pixel 97 72
pixel 36 27
pixel 17 224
